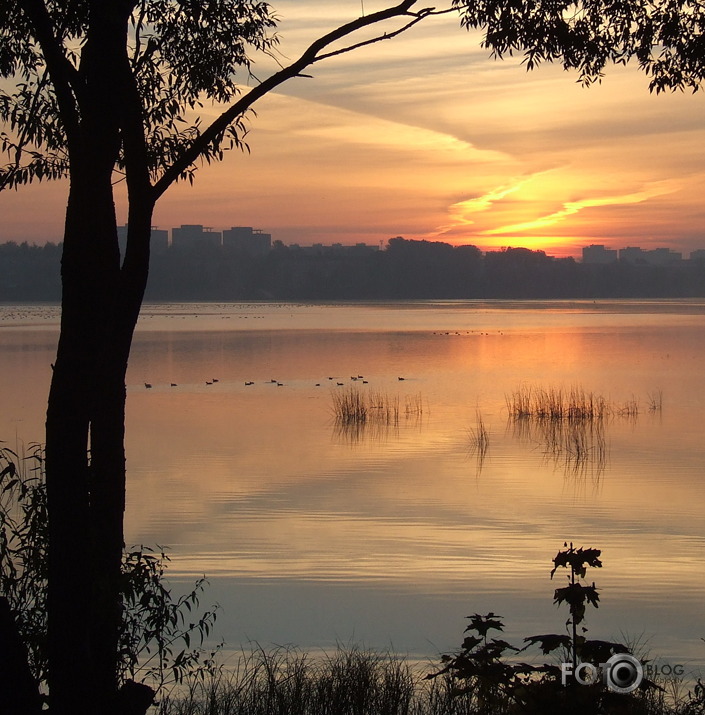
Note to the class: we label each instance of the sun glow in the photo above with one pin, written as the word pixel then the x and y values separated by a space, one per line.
pixel 571 208
pixel 427 138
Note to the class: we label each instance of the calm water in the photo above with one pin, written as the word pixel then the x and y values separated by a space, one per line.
pixel 390 535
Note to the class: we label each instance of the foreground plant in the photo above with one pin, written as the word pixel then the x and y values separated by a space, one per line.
pixel 486 675
pixel 157 628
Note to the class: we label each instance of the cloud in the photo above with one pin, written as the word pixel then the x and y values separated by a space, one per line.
pixel 573 207
pixel 460 211
pixel 426 136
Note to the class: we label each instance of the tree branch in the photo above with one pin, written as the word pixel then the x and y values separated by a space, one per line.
pixel 418 16
pixel 64 76
pixel 311 55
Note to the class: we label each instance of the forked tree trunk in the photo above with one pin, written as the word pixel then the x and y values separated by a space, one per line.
pixel 86 411
pixel 100 305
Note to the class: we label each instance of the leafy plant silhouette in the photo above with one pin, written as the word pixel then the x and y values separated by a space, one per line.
pixel 481 674
pixel 160 634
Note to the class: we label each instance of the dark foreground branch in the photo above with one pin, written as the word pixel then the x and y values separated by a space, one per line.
pixel 315 52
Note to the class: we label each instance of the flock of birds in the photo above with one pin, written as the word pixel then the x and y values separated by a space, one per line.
pixel 148 385
pixel 353 378
pixel 248 383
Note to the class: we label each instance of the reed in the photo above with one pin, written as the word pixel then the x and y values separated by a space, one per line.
pixel 655 401
pixel 355 406
pixel 383 407
pixel 569 424
pixel 413 406
pixel 629 408
pixel 479 436
pixel 556 404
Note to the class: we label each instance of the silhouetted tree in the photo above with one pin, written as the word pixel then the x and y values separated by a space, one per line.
pixel 665 37
pixel 105 86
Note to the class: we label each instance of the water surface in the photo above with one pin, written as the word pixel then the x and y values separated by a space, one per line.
pixel 390 535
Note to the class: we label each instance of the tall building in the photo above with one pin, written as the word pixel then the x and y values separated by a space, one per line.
pixel 247 240
pixel 663 257
pixel 158 239
pixel 632 254
pixel 597 253
pixel 189 235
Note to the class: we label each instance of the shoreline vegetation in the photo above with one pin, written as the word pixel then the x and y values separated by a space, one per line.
pixel 406 269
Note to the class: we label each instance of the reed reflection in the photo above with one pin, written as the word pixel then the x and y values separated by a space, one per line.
pixel 368 414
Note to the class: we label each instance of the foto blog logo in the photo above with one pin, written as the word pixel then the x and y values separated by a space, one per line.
pixel 622 673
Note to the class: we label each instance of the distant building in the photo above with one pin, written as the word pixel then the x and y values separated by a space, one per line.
pixel 654 257
pixel 597 253
pixel 336 249
pixel 698 255
pixel 247 240
pixel 663 257
pixel 158 239
pixel 190 235
pixel 632 254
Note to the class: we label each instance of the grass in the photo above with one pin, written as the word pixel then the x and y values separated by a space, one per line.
pixel 629 409
pixel 351 681
pixel 655 401
pixel 557 404
pixel 350 406
pixel 413 406
pixel 574 405
pixel 571 424
pixel 355 406
pixel 479 437
pixel 354 681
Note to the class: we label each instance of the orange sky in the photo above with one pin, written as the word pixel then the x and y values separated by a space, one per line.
pixel 426 137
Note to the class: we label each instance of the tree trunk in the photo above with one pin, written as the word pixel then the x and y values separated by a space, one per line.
pixel 86 411
pixel 100 305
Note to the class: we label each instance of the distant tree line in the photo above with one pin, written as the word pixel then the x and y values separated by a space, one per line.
pixel 30 272
pixel 407 269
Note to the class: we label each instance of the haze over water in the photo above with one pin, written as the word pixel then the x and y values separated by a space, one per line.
pixel 389 535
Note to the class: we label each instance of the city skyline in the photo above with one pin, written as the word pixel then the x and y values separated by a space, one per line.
pixel 427 138
pixel 258 241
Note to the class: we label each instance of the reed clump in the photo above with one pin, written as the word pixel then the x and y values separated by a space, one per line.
pixel 413 406
pixel 629 409
pixel 383 407
pixel 350 406
pixel 557 404
pixel 356 406
pixel 570 424
pixel 655 401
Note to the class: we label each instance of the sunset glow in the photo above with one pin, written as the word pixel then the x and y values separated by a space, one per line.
pixel 427 138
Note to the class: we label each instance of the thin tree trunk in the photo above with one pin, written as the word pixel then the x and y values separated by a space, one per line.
pixel 87 500
pixel 67 433
pixel 100 306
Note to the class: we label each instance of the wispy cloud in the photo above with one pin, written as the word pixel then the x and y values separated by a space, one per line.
pixel 571 208
pixel 460 212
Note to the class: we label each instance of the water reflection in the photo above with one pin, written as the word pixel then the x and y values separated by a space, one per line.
pixel 312 530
